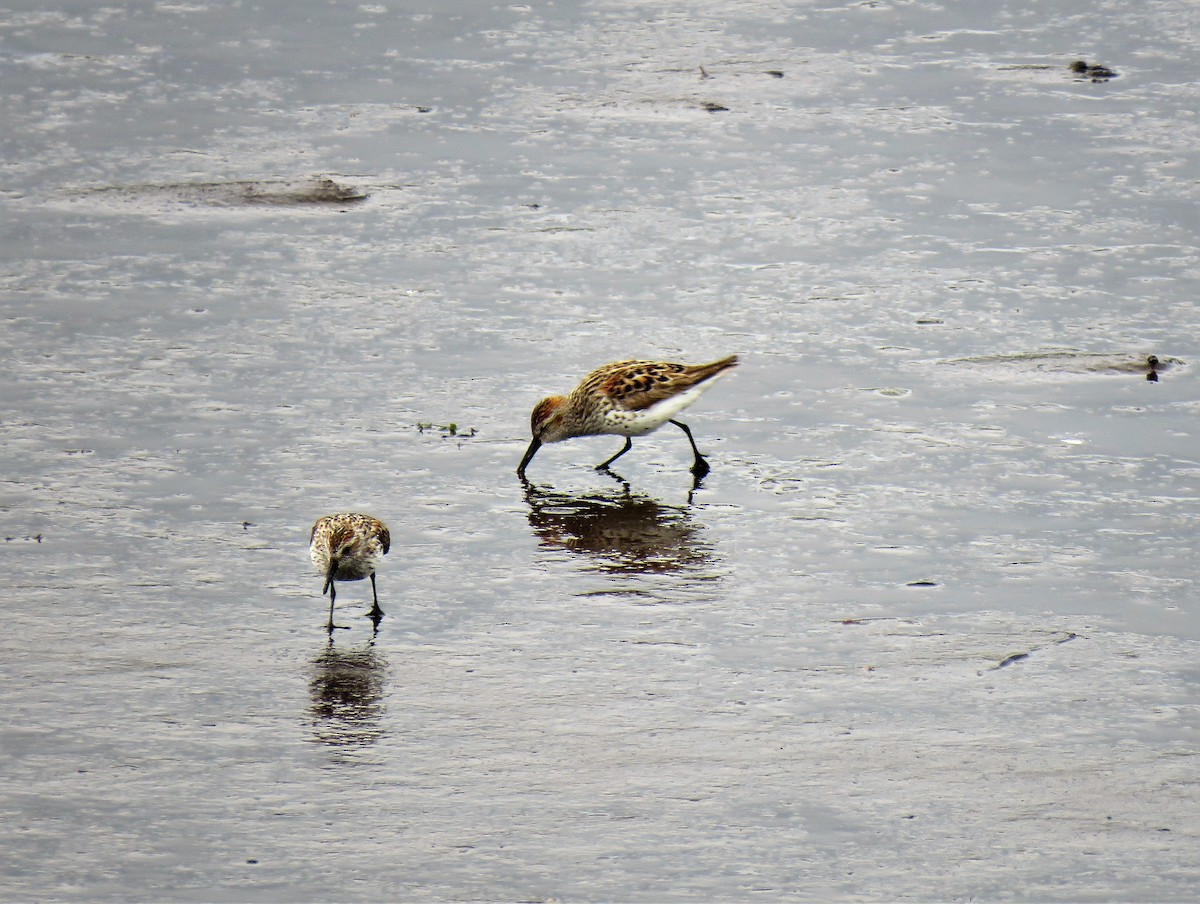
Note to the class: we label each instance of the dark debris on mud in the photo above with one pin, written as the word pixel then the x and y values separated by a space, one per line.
pixel 1080 70
pixel 240 193
pixel 1072 362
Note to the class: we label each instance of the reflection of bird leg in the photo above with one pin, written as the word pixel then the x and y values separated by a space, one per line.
pixel 618 478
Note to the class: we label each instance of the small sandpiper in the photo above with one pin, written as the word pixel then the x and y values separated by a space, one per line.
pixel 348 547
pixel 628 398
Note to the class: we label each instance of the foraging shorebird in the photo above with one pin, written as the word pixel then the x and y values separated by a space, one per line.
pixel 628 398
pixel 348 547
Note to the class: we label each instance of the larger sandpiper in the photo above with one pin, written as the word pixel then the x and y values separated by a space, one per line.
pixel 348 547
pixel 627 398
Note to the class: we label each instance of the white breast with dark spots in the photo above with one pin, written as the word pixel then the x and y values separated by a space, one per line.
pixel 359 561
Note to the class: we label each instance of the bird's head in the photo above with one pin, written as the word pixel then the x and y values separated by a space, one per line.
pixel 546 421
pixel 547 424
pixel 341 544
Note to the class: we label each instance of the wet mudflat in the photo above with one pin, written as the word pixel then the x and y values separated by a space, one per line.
pixel 929 629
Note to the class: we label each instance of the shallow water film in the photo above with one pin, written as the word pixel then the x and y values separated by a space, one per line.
pixel 929 630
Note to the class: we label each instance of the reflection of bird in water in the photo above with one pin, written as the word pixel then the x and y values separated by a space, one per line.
pixel 623 533
pixel 628 398
pixel 348 547
pixel 347 695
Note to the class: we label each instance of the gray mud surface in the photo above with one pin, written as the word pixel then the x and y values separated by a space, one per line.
pixel 928 631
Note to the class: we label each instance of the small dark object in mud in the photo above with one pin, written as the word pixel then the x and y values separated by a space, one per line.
pixel 319 191
pixel 713 108
pixel 1053 361
pixel 1009 660
pixel 447 430
pixel 1095 72
pixel 243 193
pixel 775 73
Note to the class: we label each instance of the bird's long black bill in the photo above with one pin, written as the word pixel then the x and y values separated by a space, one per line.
pixel 529 453
pixel 333 566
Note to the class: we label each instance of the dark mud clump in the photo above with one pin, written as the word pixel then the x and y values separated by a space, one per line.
pixel 1097 73
pixel 248 193
pixel 316 191
pixel 1070 362
pixel 1079 69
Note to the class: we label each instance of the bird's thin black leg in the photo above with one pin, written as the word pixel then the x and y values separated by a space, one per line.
pixel 376 613
pixel 700 465
pixel 332 597
pixel 603 466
